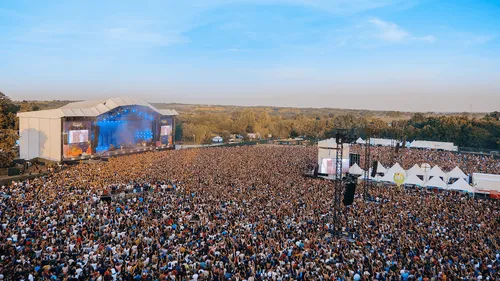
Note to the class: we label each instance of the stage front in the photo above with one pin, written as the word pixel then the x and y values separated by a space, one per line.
pixel 89 129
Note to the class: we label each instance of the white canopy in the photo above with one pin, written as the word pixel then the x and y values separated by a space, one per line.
pixel 328 143
pixel 413 179
pixel 381 168
pixel 456 173
pixel 360 141
pixel 356 170
pixel 462 185
pixel 436 182
pixel 416 170
pixel 437 172
pixel 388 177
pixel 396 168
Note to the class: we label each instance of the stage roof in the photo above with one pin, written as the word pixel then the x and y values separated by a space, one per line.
pixel 93 108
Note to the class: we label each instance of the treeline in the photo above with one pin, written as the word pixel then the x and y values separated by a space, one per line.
pixel 463 130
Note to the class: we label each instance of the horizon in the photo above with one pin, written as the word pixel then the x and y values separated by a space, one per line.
pixel 389 55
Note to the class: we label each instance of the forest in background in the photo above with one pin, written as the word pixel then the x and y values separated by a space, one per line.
pixel 475 130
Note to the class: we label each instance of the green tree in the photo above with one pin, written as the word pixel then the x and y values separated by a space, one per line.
pixel 8 130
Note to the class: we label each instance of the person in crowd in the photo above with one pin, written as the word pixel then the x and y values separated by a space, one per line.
pixel 239 213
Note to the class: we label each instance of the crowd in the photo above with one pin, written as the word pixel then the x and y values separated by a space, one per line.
pixel 446 160
pixel 241 213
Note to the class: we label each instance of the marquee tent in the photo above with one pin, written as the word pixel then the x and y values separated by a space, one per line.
pixel 360 141
pixel 437 172
pixel 412 179
pixel 415 170
pixel 436 182
pixel 356 170
pixel 381 168
pixel 456 173
pixel 388 177
pixel 396 168
pixel 461 185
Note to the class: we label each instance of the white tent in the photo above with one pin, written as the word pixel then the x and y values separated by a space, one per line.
pixel 356 170
pixel 414 180
pixel 388 177
pixel 415 170
pixel 360 141
pixel 457 174
pixel 437 172
pixel 436 182
pixel 462 185
pixel 381 168
pixel 396 168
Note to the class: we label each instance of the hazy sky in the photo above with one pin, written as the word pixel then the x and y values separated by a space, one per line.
pixel 376 54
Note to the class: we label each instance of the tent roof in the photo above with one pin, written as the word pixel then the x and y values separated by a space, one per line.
pixel 436 182
pixel 396 168
pixel 413 179
pixel 356 170
pixel 328 143
pixel 381 168
pixel 461 184
pixel 92 108
pixel 456 173
pixel 416 170
pixel 437 172
pixel 360 141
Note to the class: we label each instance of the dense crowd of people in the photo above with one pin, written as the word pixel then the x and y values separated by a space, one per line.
pixel 446 160
pixel 241 213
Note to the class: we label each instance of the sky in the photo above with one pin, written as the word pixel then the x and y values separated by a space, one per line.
pixel 367 54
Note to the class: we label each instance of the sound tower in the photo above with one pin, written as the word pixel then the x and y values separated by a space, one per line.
pixel 316 167
pixel 397 147
pixel 374 169
pixel 350 189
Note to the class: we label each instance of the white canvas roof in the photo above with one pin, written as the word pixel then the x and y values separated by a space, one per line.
pixel 415 170
pixel 456 173
pixel 328 143
pixel 388 177
pixel 396 168
pixel 356 170
pixel 462 185
pixel 413 179
pixel 437 172
pixel 381 168
pixel 92 108
pixel 360 141
pixel 436 182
